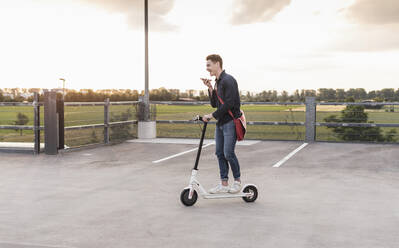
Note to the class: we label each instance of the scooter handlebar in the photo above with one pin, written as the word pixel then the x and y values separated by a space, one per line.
pixel 198 118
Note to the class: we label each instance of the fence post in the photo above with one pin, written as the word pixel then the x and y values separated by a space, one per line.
pixel 36 122
pixel 61 130
pixel 50 123
pixel 106 121
pixel 310 124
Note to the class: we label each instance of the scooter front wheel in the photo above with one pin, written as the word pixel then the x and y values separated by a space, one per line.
pixel 254 193
pixel 185 200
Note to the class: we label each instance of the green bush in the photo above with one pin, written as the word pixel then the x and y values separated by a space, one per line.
pixel 356 114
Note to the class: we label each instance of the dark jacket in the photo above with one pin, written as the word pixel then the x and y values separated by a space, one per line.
pixel 227 89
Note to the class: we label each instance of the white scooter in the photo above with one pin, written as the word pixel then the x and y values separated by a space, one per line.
pixel 189 195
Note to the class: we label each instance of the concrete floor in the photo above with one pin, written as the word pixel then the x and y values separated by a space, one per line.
pixel 326 195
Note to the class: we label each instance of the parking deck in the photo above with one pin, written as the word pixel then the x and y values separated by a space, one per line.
pixel 127 195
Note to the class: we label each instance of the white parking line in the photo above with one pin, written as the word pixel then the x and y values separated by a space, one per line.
pixel 14 244
pixel 181 153
pixel 279 163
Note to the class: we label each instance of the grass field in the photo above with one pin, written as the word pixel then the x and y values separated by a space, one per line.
pixel 84 115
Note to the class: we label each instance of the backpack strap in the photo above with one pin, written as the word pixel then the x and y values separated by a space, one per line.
pixel 221 101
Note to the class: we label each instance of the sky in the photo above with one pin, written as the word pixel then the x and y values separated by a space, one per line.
pixel 265 44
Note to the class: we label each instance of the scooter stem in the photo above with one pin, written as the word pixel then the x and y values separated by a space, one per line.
pixel 200 146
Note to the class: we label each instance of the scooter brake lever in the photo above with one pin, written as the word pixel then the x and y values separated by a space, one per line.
pixel 196 118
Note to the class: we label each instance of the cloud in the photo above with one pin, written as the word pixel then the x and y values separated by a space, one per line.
pixel 252 11
pixel 134 11
pixel 374 11
pixel 368 38
pixel 376 27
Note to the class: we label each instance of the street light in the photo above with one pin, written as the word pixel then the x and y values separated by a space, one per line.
pixel 63 88
pixel 146 129
pixel 146 91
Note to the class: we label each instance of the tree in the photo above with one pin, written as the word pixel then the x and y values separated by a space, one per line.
pixel 356 114
pixel 340 94
pixel 284 96
pixel 306 93
pixel 372 94
pixel 273 95
pixel 327 94
pixel 21 120
pixel 297 96
pixel 249 97
pixel 388 94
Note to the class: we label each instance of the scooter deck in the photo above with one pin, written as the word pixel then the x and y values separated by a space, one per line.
pixel 225 195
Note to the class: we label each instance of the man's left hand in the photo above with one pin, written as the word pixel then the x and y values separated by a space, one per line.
pixel 207 118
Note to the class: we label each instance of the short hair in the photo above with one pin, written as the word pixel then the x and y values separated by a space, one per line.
pixel 215 58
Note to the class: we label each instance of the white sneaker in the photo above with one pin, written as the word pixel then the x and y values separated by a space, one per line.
pixel 219 189
pixel 235 188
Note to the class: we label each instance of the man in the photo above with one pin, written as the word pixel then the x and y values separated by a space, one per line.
pixel 225 133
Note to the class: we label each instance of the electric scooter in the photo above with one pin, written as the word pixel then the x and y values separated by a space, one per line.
pixel 189 195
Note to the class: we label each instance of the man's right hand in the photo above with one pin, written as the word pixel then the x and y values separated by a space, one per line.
pixel 207 82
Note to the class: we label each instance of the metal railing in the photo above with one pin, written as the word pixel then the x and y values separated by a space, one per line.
pixel 102 120
pixel 266 120
pixel 366 130
pixel 286 124
pixel 309 121
pixel 20 124
pixel 360 122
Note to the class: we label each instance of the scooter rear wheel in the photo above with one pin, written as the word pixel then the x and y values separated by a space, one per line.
pixel 250 189
pixel 184 197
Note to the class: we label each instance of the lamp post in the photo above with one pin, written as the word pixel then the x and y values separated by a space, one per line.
pixel 146 91
pixel 146 128
pixel 63 88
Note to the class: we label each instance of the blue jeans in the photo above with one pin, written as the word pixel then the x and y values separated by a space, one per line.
pixel 225 138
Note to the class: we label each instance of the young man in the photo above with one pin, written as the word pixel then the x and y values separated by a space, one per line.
pixel 225 133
